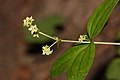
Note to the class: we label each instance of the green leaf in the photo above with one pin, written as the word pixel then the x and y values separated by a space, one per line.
pixel 81 62
pixel 100 17
pixel 76 62
pixel 113 70
pixel 61 63
pixel 118 40
pixel 46 25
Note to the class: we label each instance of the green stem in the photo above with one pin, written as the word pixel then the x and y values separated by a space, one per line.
pixel 106 43
pixel 54 43
pixel 47 35
pixel 72 41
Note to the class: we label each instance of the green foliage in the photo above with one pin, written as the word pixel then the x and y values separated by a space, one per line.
pixel 46 25
pixel 118 40
pixel 100 17
pixel 118 50
pixel 76 62
pixel 113 70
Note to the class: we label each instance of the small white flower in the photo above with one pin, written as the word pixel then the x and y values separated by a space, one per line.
pixel 46 50
pixel 36 35
pixel 82 38
pixel 28 21
pixel 33 29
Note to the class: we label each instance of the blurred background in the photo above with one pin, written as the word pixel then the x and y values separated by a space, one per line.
pixel 20 54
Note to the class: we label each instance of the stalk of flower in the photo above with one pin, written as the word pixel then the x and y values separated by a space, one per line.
pixel 28 22
pixel 34 31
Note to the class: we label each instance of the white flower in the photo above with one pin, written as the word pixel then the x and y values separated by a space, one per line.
pixel 33 29
pixel 46 50
pixel 28 21
pixel 82 38
pixel 36 35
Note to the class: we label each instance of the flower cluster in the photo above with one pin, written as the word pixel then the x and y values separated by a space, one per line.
pixel 82 38
pixel 28 22
pixel 46 50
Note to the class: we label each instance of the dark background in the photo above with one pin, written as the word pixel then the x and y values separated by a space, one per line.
pixel 18 64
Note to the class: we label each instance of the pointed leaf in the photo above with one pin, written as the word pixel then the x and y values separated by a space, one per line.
pixel 76 61
pixel 81 62
pixel 61 63
pixel 100 17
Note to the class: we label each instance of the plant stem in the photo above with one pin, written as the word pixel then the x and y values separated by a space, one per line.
pixel 72 41
pixel 47 35
pixel 54 43
pixel 106 43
